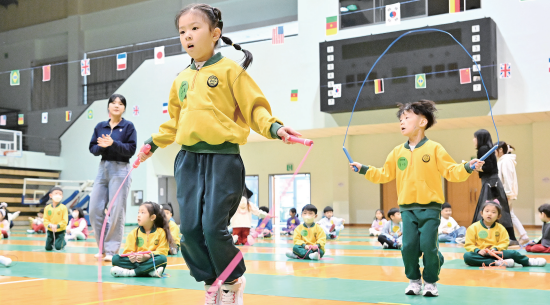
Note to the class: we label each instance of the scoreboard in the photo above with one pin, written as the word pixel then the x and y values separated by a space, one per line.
pixel 425 65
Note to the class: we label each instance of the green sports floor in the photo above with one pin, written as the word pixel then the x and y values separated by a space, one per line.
pixel 356 271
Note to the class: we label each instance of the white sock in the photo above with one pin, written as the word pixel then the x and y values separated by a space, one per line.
pixel 157 273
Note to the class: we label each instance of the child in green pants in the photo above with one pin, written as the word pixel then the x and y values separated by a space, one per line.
pixel 418 165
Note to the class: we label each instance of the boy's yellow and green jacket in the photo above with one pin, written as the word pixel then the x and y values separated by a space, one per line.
pixel 478 237
pixel 212 109
pixel 175 231
pixel 418 174
pixel 58 216
pixel 155 242
pixel 314 235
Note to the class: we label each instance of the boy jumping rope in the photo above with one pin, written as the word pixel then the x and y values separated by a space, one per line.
pixel 418 165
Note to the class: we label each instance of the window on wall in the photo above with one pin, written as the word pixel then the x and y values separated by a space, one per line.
pixel 287 194
pixel 252 184
pixel 365 12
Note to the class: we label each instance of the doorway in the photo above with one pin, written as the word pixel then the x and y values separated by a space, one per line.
pixel 298 194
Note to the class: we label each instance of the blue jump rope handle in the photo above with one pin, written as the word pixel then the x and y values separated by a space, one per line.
pixel 350 160
pixel 485 156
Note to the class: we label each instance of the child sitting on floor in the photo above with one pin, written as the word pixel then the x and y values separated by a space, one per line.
pixel 487 235
pixel 392 233
pixel 4 224
pixel 241 222
pixel 174 229
pixel 449 230
pixel 330 224
pixel 37 223
pixel 78 227
pixel 56 218
pixel 542 244
pixel 378 223
pixel 291 223
pixel 267 229
pixel 309 239
pixel 152 235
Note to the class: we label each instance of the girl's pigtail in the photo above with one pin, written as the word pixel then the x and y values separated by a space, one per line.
pixel 247 55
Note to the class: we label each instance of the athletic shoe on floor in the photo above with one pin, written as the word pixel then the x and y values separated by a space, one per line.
pixel 508 263
pixel 5 261
pixel 292 255
pixel 430 290
pixel 460 240
pixel 121 272
pixel 524 240
pixel 108 258
pixel 98 255
pixel 212 298
pixel 158 272
pixel 385 246
pixel 537 262
pixel 414 287
pixel 232 294
pixel 30 231
pixel 514 243
pixel 314 256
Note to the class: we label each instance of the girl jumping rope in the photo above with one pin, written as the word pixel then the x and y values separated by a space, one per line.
pixel 213 104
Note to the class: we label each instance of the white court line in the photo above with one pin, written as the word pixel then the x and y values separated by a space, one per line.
pixel 22 281
pixel 176 265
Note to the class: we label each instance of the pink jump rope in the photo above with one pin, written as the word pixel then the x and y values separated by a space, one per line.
pixel 233 264
pixel 145 149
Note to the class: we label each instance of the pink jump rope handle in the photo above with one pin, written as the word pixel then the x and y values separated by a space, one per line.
pixel 145 149
pixel 314 247
pixel 306 142
pixel 134 253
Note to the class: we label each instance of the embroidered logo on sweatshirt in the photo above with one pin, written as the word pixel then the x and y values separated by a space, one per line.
pixel 212 81
pixel 402 163
pixel 156 242
pixel 183 90
pixel 426 158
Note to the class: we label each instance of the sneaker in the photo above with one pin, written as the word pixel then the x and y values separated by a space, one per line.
pixel 5 261
pixel 98 255
pixel 108 258
pixel 514 243
pixel 537 262
pixel 524 240
pixel 385 246
pixel 121 272
pixel 314 256
pixel 508 263
pixel 156 273
pixel 233 294
pixel 211 298
pixel 430 290
pixel 292 255
pixel 30 232
pixel 414 288
pixel 460 240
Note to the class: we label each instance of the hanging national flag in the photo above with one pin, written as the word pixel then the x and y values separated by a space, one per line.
pixel 44 117
pixel 454 6
pixel 15 78
pixel 332 25
pixel 165 108
pixel 505 71
pixel 278 35
pixel 68 115
pixel 465 76
pixel 337 90
pixel 379 86
pixel 21 119
pixel 46 73
pixel 393 14
pixel 3 120
pixel 136 110
pixel 85 67
pixel 159 55
pixel 420 81
pixel 90 114
pixel 121 61
pixel 294 95
pixel 548 64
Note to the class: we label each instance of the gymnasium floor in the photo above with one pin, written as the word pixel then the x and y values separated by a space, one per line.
pixel 357 271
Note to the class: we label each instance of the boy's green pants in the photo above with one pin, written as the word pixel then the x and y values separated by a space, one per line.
pixel 420 237
pixel 474 259
pixel 141 269
pixel 59 240
pixel 301 251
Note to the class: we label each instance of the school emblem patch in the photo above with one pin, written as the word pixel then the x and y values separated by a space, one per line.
pixel 182 93
pixel 497 234
pixel 212 81
pixel 140 242
pixel 402 163
pixel 483 234
pixel 304 232
pixel 426 158
pixel 156 242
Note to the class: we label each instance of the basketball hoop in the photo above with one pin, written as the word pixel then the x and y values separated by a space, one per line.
pixel 10 152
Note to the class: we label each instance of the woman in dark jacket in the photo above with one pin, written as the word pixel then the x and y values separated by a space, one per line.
pixel 491 186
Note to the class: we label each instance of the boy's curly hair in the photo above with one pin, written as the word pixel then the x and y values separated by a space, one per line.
pixel 425 108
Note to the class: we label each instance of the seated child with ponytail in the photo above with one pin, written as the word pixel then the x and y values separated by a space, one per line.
pixel 309 237
pixel 174 228
pixel 78 227
pixel 153 236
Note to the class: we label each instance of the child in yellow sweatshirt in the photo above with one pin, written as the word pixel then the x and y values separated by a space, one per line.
pixel 174 229
pixel 309 237
pixel 418 166
pixel 487 234
pixel 56 218
pixel 153 234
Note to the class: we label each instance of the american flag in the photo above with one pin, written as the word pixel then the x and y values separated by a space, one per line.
pixel 278 35
pixel 505 71
pixel 85 67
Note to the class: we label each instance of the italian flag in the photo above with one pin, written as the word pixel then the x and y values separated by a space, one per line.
pixel 332 25
pixel 294 95
pixel 454 6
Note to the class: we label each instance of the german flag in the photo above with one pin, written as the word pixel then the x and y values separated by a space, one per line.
pixel 332 25
pixel 454 6
pixel 294 95
pixel 379 86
